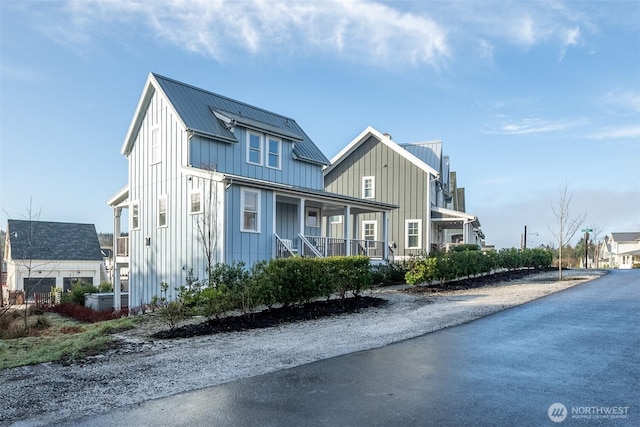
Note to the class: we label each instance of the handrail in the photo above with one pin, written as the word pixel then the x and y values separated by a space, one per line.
pixel 307 244
pixel 283 250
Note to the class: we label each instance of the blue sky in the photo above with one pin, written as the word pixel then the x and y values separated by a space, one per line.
pixel 527 97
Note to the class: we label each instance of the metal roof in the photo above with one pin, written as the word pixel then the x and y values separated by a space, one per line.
pixel 629 236
pixel 55 241
pixel 196 108
pixel 429 152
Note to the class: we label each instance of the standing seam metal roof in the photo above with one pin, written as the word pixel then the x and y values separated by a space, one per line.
pixel 194 105
pixel 428 152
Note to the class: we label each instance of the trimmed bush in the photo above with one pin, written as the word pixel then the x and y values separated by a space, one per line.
pixel 445 267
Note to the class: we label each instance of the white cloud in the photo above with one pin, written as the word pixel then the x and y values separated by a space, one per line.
pixel 534 125
pixel 361 31
pixel 629 100
pixel 617 133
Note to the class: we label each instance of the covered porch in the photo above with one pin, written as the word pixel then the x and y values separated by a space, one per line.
pixel 453 228
pixel 316 223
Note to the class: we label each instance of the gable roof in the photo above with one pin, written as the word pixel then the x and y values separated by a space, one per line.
pixel 211 115
pixel 55 241
pixel 626 236
pixel 386 140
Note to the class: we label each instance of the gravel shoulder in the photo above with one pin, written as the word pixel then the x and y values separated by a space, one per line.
pixel 142 369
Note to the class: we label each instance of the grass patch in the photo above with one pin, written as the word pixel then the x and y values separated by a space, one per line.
pixel 63 339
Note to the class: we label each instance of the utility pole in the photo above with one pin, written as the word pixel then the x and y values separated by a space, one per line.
pixel 524 244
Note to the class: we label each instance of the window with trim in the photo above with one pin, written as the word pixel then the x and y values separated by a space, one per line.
pixel 254 148
pixel 135 215
pixel 369 231
pixel 155 146
pixel 313 217
pixel 195 201
pixel 335 219
pixel 274 146
pixel 162 211
pixel 413 234
pixel 250 201
pixel 368 187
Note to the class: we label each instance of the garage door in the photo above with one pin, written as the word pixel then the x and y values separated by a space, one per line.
pixel 38 286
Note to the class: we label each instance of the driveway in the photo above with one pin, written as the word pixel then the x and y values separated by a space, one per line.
pixel 571 358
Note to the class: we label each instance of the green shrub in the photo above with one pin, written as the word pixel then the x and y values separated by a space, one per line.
pixel 76 294
pixel 392 273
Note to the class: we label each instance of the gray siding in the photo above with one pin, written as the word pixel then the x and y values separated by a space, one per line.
pixel 397 181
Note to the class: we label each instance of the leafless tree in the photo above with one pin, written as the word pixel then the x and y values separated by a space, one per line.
pixel 207 222
pixel 566 225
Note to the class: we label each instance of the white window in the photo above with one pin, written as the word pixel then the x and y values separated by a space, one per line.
pixel 335 219
pixel 155 146
pixel 313 217
pixel 250 201
pixel 162 211
pixel 195 201
pixel 368 187
pixel 135 215
pixel 254 148
pixel 369 231
pixel 413 234
pixel 273 152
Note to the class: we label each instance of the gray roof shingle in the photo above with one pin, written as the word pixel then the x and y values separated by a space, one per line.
pixel 195 107
pixel 55 241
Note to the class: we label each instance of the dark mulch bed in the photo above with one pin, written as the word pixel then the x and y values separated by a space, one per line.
pixel 273 317
pixel 476 282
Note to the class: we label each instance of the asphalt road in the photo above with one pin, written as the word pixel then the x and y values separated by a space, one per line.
pixel 579 348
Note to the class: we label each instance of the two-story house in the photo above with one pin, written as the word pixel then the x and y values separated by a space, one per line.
pixel 417 178
pixel 212 179
pixel 620 250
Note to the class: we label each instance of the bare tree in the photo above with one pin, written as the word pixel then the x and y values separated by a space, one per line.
pixel 208 221
pixel 566 225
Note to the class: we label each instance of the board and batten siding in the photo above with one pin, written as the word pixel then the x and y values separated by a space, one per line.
pixel 229 157
pixel 160 254
pixel 397 181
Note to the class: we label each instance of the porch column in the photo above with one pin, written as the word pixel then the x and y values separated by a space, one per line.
pixel 115 281
pixel 347 230
pixel 428 216
pixel 301 218
pixel 385 235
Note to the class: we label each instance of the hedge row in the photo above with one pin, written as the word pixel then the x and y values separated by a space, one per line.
pixel 458 264
pixel 287 281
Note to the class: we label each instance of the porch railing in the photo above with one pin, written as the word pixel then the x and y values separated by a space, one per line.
pixel 309 249
pixel 319 246
pixel 370 248
pixel 284 248
pixel 122 246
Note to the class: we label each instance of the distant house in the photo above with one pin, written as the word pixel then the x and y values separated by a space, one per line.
pixel 417 178
pixel 620 250
pixel 41 255
pixel 212 179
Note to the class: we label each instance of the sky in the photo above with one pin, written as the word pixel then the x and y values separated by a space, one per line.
pixel 528 98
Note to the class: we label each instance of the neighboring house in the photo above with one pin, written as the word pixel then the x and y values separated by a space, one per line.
pixel 620 250
pixel 214 180
pixel 416 177
pixel 41 255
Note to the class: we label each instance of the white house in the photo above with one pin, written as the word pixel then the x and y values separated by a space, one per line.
pixel 41 255
pixel 620 250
